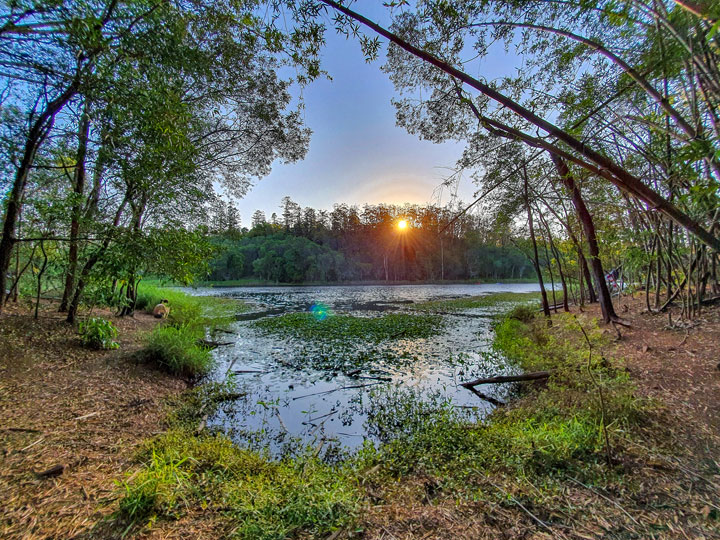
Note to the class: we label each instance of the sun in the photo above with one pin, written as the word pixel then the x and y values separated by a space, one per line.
pixel 402 224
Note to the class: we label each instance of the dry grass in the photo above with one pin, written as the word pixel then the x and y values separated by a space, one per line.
pixel 65 405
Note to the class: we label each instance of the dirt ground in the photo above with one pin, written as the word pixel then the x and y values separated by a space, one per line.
pixel 87 411
pixel 64 405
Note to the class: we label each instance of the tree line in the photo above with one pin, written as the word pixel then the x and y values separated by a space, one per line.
pixel 349 243
pixel 601 152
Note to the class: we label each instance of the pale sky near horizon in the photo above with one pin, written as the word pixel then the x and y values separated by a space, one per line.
pixel 357 154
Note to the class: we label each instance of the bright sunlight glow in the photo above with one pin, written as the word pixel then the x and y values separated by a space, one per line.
pixel 402 224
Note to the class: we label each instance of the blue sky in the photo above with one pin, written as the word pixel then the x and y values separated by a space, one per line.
pixel 357 155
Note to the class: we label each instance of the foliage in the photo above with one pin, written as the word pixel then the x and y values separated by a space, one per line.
pixel 349 327
pixel 177 349
pixel 98 333
pixel 364 244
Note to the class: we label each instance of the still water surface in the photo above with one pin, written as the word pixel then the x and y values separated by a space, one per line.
pixel 289 402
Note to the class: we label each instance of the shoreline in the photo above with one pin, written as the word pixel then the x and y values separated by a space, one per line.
pixel 227 285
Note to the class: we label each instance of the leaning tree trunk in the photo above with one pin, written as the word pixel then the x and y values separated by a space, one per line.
pixel 606 305
pixel 591 160
pixel 92 261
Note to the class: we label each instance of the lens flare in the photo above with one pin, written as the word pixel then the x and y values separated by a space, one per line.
pixel 402 224
pixel 320 311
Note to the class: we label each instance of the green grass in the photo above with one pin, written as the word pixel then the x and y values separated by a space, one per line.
pixel 174 345
pixel 176 349
pixel 188 310
pixel 259 498
pixel 474 302
pixel 348 327
pixel 255 496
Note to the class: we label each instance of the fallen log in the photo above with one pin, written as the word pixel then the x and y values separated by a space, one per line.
pixel 535 375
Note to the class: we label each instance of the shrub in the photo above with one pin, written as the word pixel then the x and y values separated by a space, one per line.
pixel 98 333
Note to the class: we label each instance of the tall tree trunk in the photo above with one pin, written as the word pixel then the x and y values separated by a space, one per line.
pixel 38 132
pixel 535 259
pixel 92 261
pixel 606 305
pixel 78 192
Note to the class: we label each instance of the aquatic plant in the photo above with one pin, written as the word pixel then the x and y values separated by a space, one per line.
pixel 475 302
pixel 349 327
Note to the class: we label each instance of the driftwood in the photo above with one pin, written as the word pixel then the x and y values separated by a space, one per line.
pixel 535 375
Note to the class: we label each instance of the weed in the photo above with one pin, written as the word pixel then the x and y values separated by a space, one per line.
pixel 98 333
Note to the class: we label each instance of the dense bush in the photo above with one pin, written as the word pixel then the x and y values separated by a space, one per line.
pixel 98 333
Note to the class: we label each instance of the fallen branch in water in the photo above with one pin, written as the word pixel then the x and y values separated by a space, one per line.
pixel 535 375
pixel 213 344
pixel 336 389
pixel 487 398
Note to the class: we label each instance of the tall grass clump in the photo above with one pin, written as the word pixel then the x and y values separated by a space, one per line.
pixel 258 498
pixel 178 350
pixel 176 344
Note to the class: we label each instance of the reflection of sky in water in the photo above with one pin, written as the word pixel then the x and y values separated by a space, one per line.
pixel 288 400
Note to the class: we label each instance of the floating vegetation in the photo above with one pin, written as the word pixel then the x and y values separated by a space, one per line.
pixel 475 302
pixel 308 326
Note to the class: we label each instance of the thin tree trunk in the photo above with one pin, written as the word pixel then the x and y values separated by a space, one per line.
pixel 39 278
pixel 78 191
pixel 536 263
pixel 91 262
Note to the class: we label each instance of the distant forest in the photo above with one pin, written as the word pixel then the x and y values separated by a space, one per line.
pixel 363 244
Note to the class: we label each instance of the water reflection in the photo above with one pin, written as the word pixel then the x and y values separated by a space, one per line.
pixel 323 394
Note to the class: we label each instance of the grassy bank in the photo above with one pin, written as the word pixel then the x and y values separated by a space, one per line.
pixel 585 429
pixel 177 344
